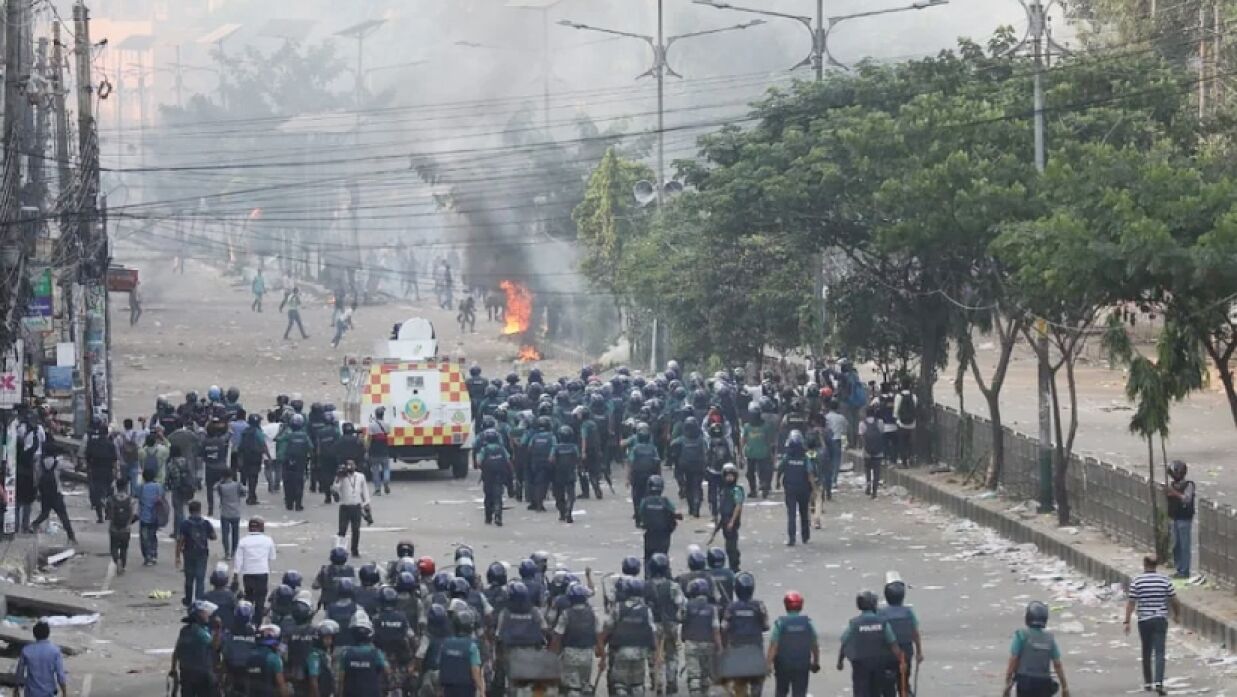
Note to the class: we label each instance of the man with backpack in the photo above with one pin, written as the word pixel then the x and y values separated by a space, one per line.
pixel 907 409
pixel 873 438
pixel 252 447
pixel 121 514
pixel 101 465
pixel 180 481
pixel 193 539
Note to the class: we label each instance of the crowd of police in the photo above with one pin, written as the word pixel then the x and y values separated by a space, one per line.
pixel 413 629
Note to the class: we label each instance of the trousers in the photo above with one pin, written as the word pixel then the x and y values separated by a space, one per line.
pixel 1152 633
pixel 350 517
pixel 797 501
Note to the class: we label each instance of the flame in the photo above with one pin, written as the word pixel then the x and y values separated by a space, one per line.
pixel 528 354
pixel 519 310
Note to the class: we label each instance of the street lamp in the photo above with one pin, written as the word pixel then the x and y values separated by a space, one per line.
pixel 661 66
pixel 822 26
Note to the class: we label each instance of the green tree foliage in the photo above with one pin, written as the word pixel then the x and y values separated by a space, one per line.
pixel 609 217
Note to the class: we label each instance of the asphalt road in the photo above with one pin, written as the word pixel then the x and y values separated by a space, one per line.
pixel 968 587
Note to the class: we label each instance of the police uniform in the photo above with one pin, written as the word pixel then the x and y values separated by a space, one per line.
pixel 700 624
pixel 566 459
pixel 744 623
pixel 665 599
pixel 342 613
pixel 656 515
pixel 577 630
pixel 689 454
pixel 644 462
pixel 797 489
pixel 867 643
pixel 319 668
pixel 540 446
pixel 195 661
pixel 237 649
pixel 261 670
pixel 428 653
pixel 732 498
pixel 458 657
pixel 1036 649
pixel 630 642
pixel 327 582
pixel 520 633
pixel 393 634
pixel 361 668
pixel 904 623
pixel 299 645
pixel 496 475
pixel 795 636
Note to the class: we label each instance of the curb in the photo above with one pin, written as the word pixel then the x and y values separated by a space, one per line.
pixel 1197 614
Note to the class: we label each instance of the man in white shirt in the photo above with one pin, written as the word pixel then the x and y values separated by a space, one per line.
pixel 253 557
pixel 353 493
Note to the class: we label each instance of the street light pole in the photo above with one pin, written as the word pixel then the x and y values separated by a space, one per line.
pixel 822 27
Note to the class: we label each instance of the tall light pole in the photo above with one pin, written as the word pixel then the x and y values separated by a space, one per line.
pixel 821 28
pixel 543 6
pixel 661 67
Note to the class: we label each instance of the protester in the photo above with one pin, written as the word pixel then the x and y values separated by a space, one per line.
pixel 230 493
pixel 40 667
pixel 193 551
pixel 121 514
pixel 150 498
pixel 1152 594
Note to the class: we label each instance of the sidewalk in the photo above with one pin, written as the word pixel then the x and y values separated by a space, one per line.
pixel 1208 611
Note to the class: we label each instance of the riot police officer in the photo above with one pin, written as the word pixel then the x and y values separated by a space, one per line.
pixel 437 630
pixel 905 624
pixel 329 576
pixel 296 448
pixel 237 647
pixel 193 658
pixel 744 622
pixel 223 599
pixel 367 594
pixel 723 578
pixel 540 448
pixel 320 666
pixel 496 475
pixel 793 648
pixel 575 639
pixel 1033 656
pixel 665 598
pixel 629 639
pixel 565 460
pixel 702 638
pixel 521 633
pixel 730 513
pixel 796 481
pixel 343 610
pixel 643 462
pixel 657 516
pixel 872 648
pixel 688 454
pixel 361 665
pixel 264 670
pixel 299 644
pixel 393 635
pixel 459 663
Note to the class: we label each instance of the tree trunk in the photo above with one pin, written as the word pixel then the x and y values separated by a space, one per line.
pixel 998 440
pixel 1230 391
pixel 1156 524
pixel 927 403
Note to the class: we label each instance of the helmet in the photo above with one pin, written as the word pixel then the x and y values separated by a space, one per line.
pixel 203 608
pixel 285 593
pixel 577 593
pixel 691 426
pixel 442 581
pixel 793 601
pixel 463 551
pixel 696 560
pixel 244 611
pixel 339 555
pixel 214 394
pixel 362 628
pixel 656 485
pixel 635 588
pixel 426 567
pixel 717 557
pixel 346 588
pixel 460 587
pixel 268 635
pixel 436 620
pixel 566 433
pixel 191 397
pixel 404 548
pixel 349 429
pixel 528 569
pixel 255 419
pixel 219 578
pixel 659 565
pixel 517 592
pixel 895 593
pixel 297 422
pixel 631 566
pixel 465 622
pixel 474 370
pixel 620 588
pixel 541 558
pixel 302 612
pixel 698 587
pixel 1177 468
pixel 534 376
pixel 466 573
pixel 369 574
pixel 513 378
pixel 744 586
pixel 729 469
pixel 496 574
pixel 1037 615
pixel 490 437
pixel 795 439
pixel 327 628
pixel 406 582
pixel 329 407
pixel 643 432
pixel 544 423
pixel 866 601
pixel 233 394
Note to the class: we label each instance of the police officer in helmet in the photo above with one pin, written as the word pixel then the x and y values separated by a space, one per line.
pixel 872 648
pixel 575 640
pixel 1034 656
pixel 658 517
pixel 904 623
pixel 794 649
pixel 362 666
pixel 193 659
pixel 459 662
pixel 629 637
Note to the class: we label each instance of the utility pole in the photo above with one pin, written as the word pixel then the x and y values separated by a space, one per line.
pixel 62 115
pixel 1039 41
pixel 96 254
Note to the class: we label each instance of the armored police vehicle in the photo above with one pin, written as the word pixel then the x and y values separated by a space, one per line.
pixel 427 413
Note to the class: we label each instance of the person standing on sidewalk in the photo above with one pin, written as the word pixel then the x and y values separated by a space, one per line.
pixel 1152 594
pixel 193 551
pixel 353 492
pixel 253 558
pixel 1180 494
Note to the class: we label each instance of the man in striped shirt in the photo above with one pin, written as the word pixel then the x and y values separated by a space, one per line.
pixel 1152 594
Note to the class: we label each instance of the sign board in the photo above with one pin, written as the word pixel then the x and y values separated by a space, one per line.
pixel 8 455
pixel 39 310
pixel 66 354
pixel 11 377
pixel 59 378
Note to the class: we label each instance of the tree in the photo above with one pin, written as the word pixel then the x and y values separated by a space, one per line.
pixel 609 217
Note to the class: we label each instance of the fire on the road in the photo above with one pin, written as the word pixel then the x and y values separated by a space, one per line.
pixel 517 317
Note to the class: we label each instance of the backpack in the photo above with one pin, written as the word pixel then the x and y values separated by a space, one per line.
pixel 198 539
pixel 251 444
pixel 129 449
pixel 179 480
pixel 120 510
pixel 906 409
pixel 873 438
pixel 163 512
pixel 152 461
pixel 99 449
pixel 858 391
